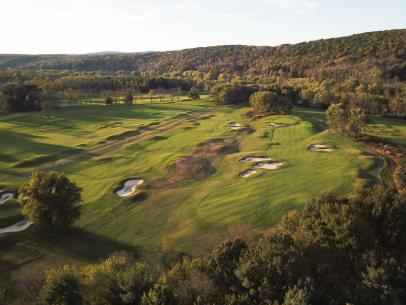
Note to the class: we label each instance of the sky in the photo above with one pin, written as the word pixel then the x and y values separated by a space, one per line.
pixel 85 26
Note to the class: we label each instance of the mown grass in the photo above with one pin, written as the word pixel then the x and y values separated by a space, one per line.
pixel 190 215
pixel 387 130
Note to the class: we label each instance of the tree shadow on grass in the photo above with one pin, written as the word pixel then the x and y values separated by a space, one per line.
pixel 88 246
pixel 315 119
pixel 79 244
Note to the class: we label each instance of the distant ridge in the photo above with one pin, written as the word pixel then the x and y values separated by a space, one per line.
pixel 340 58
pixel 115 53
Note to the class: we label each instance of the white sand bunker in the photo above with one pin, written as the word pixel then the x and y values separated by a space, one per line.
pixel 5 197
pixel 269 166
pixel 248 173
pixel 274 124
pixel 129 187
pixel 320 147
pixel 236 126
pixel 256 159
pixel 18 227
pixel 266 163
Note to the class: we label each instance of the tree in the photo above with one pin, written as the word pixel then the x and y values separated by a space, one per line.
pixel 297 296
pixel 62 287
pixel 336 116
pixel 128 100
pixel 269 267
pixel 224 261
pixel 46 108
pixel 134 282
pixel 17 98
pixel 102 281
pixel 194 94
pixel 397 106
pixel 339 118
pixel 267 102
pixel 357 120
pixel 108 100
pixel 51 201
pixel 160 294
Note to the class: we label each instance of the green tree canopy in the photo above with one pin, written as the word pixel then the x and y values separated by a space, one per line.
pixel 193 94
pixel 267 102
pixel 128 100
pixel 62 286
pixel 51 201
pixel 108 100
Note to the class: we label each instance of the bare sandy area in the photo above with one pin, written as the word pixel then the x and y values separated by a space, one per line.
pixel 320 147
pixel 269 166
pixel 129 187
pixel 236 126
pixel 5 197
pixel 248 173
pixel 18 227
pixel 255 159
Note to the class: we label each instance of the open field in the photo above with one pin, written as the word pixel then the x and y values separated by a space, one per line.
pixel 99 147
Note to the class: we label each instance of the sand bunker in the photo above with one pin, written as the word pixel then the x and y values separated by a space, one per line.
pixel 6 196
pixel 236 126
pixel 274 124
pixel 18 227
pixel 256 159
pixel 129 187
pixel 266 163
pixel 320 147
pixel 269 166
pixel 248 173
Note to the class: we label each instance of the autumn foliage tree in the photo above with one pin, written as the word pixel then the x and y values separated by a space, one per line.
pixel 266 102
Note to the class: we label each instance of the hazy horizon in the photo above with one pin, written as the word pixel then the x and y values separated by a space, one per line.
pixel 91 26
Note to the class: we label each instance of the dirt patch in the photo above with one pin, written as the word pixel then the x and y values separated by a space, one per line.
pixel 199 166
pixel 218 146
pixel 185 168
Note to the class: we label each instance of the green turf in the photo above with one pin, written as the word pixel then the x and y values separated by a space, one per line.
pixel 190 215
pixel 387 130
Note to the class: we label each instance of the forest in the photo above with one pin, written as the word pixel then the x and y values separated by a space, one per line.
pixel 366 70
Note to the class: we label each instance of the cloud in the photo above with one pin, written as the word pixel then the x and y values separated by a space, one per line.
pixel 299 6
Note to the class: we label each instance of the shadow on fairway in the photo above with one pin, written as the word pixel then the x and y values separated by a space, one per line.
pixel 79 244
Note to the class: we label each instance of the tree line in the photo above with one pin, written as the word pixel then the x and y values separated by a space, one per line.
pixel 365 70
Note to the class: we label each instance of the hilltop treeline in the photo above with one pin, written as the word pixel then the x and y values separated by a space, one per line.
pixel 336 251
pixel 368 56
pixel 366 70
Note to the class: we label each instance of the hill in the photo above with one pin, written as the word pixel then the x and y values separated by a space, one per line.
pixel 364 56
